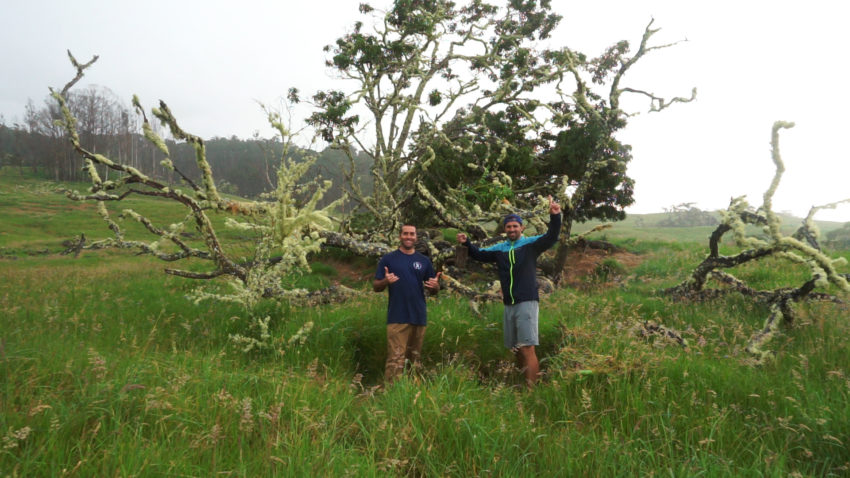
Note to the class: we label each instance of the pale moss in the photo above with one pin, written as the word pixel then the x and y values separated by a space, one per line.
pixel 135 172
pixel 92 172
pixel 132 214
pixel 262 342
pixel 821 267
pixel 156 140
pixel 245 226
pixel 791 256
pixel 289 227
pixel 101 209
pixel 300 337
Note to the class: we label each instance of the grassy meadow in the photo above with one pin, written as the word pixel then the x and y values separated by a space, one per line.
pixel 107 369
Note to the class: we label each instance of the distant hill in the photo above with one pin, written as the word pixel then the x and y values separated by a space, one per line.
pixel 646 227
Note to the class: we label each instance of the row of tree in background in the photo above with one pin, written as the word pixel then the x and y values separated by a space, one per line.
pixel 687 215
pixel 107 126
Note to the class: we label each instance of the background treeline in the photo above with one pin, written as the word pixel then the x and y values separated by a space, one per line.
pixel 687 215
pixel 109 127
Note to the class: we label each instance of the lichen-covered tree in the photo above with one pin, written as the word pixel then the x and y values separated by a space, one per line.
pixel 801 248
pixel 466 115
pixel 287 225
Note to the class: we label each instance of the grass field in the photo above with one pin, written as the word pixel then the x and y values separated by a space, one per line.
pixel 106 369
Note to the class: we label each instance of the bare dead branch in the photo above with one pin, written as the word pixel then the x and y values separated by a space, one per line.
pixel 801 248
pixel 80 68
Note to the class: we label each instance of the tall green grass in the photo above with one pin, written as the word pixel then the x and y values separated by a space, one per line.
pixel 107 369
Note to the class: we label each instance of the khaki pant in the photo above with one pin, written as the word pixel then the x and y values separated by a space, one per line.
pixel 404 343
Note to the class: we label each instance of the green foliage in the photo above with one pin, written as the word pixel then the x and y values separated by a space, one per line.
pixel 476 165
pixel 593 158
pixel 459 124
pixel 608 269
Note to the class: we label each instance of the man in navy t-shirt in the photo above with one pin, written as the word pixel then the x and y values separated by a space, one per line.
pixel 407 273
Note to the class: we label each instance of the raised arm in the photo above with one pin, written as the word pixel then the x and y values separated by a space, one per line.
pixel 551 237
pixel 474 252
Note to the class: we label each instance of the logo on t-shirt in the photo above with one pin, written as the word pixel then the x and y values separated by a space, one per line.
pixel 417 265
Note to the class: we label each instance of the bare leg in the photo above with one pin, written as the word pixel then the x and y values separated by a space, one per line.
pixel 527 358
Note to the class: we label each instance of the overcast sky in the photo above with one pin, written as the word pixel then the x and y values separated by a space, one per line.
pixel 753 62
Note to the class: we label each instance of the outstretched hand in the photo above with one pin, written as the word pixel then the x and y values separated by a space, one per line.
pixel 554 207
pixel 461 238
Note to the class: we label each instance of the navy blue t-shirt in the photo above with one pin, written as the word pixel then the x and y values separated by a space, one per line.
pixel 407 294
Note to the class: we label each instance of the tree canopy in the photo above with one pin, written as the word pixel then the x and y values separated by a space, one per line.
pixel 465 113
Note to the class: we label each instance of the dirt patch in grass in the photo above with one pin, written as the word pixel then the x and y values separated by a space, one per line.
pixel 584 264
pixel 351 274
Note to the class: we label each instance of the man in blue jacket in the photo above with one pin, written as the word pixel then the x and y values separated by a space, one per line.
pixel 406 273
pixel 516 260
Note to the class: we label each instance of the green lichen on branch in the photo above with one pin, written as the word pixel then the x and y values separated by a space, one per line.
pixel 286 225
pixel 799 248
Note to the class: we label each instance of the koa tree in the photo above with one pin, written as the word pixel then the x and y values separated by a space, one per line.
pixel 467 114
pixel 286 226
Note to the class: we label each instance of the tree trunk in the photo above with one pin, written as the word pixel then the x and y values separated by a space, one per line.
pixel 557 273
pixel 461 256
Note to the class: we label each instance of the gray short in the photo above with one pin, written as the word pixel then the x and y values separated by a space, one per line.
pixel 520 324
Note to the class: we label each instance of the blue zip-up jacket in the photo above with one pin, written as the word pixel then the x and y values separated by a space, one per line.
pixel 517 262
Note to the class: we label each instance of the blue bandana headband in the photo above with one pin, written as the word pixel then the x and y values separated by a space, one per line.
pixel 513 218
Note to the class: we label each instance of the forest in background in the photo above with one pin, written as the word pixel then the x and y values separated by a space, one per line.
pixel 107 126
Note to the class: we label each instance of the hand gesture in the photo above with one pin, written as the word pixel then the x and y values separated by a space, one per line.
pixel 434 282
pixel 554 207
pixel 461 238
pixel 389 276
